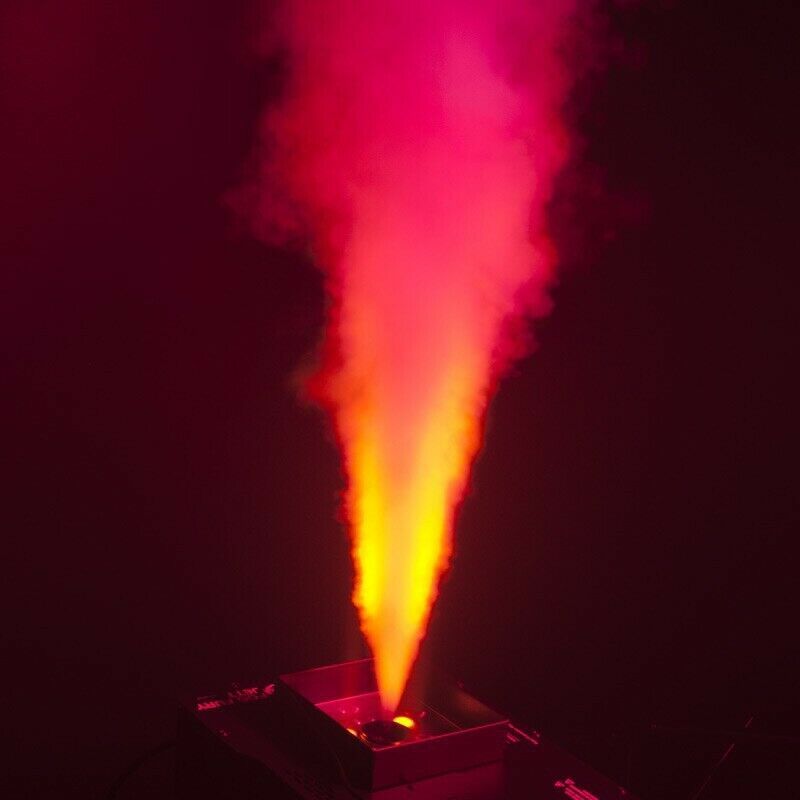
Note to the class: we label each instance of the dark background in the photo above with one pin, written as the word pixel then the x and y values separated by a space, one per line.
pixel 624 556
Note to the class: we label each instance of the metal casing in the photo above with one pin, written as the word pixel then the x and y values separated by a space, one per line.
pixel 460 732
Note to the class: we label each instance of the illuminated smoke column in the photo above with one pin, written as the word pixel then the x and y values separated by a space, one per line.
pixel 416 142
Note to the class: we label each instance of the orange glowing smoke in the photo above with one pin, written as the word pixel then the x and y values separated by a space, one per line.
pixel 416 142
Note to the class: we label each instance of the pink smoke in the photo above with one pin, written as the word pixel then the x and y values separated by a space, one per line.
pixel 416 144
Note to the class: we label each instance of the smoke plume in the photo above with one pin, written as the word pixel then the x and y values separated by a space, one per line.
pixel 415 145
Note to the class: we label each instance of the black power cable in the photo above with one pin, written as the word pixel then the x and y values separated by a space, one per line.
pixel 720 761
pixel 134 767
